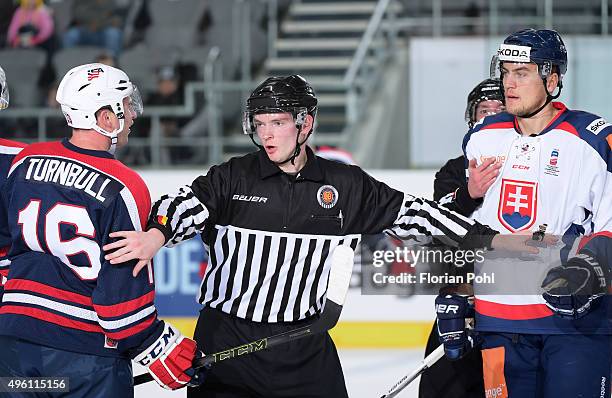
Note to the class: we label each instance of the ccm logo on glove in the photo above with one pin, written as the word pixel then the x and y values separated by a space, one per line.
pixel 158 348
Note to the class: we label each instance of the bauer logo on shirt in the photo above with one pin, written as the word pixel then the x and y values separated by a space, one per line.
pixel 517 204
pixel 327 196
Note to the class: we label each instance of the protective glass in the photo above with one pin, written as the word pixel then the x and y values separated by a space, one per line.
pixel 488 108
pixel 248 117
pixel 136 101
pixel 495 68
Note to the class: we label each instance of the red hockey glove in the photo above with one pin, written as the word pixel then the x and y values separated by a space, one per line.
pixel 169 360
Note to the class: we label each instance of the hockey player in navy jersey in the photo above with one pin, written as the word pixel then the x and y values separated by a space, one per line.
pixel 67 312
pixel 553 339
pixel 8 150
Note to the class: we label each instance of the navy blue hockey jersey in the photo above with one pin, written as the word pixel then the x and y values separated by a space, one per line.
pixel 62 203
pixel 8 150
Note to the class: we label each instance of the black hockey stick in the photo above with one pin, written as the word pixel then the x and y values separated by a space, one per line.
pixel 337 287
pixel 409 378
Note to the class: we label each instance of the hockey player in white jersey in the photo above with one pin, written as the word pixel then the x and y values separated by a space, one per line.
pixel 553 341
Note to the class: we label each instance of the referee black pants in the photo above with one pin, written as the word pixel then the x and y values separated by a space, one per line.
pixel 304 368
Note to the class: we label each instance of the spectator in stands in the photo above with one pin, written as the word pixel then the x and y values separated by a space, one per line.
pixel 95 23
pixel 169 93
pixel 31 26
pixel 7 9
pixel 106 59
pixel 56 126
pixel 472 11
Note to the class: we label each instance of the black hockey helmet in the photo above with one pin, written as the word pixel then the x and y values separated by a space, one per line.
pixel 486 90
pixel 281 94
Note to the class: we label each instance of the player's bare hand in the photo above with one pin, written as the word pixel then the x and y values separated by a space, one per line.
pixel 521 242
pixel 482 177
pixel 134 245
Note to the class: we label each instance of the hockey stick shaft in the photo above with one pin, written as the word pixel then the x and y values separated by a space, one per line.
pixel 409 378
pixel 339 278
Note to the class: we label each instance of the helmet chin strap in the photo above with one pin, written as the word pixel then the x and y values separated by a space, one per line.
pixel 113 135
pixel 549 98
pixel 296 150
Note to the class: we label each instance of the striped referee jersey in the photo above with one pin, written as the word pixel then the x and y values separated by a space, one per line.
pixel 270 235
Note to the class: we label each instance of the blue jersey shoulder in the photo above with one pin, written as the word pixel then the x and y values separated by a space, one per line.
pixel 594 130
pixel 501 120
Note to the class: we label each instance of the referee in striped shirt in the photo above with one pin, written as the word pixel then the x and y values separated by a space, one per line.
pixel 270 221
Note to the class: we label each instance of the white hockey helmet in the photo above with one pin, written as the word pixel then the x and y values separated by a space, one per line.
pixel 85 89
pixel 4 91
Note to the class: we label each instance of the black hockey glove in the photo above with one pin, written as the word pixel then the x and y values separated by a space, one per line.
pixel 573 289
pixel 455 316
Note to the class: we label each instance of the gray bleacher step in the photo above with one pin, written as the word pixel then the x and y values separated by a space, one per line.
pixel 309 44
pixel 308 63
pixel 332 100
pixel 333 8
pixel 322 27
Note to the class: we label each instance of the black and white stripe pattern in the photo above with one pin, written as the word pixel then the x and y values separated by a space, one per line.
pixel 420 218
pixel 269 276
pixel 272 277
pixel 186 214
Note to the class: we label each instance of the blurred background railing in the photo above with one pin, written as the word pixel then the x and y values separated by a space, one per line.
pixel 194 74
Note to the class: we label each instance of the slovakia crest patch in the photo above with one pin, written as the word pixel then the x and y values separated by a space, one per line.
pixel 517 204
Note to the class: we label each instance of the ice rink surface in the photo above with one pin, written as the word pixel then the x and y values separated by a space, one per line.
pixel 368 374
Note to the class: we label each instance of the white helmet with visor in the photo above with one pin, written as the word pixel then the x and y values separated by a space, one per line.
pixel 86 89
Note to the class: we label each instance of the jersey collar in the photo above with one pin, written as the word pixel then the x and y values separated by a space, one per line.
pixel 558 119
pixel 100 154
pixel 311 170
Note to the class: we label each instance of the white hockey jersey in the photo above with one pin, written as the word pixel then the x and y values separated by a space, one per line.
pixel 560 177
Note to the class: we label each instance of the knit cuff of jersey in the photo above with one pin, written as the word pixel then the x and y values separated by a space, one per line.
pixel 478 237
pixel 164 230
pixel 465 202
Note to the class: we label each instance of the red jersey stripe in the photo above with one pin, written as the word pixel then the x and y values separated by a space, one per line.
pixel 512 312
pixel 37 287
pixel 114 310
pixel 133 329
pixel 50 317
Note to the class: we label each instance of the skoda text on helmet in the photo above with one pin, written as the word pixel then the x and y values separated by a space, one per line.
pixel 542 47
pixel 4 91
pixel 282 94
pixel 486 90
pixel 86 89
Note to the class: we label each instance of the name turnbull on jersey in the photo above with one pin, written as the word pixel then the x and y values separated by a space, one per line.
pixel 70 174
